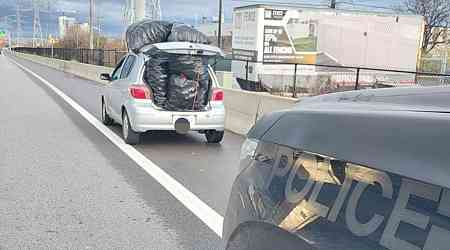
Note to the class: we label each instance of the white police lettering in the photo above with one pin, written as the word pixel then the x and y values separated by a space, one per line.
pixel 315 174
pixel 320 209
pixel 337 206
pixel 439 238
pixel 444 205
pixel 370 177
pixel 401 214
pixel 294 196
pixel 357 228
pixel 281 168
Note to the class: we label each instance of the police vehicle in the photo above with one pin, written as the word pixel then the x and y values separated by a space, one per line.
pixel 359 170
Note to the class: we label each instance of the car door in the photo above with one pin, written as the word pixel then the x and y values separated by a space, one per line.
pixel 120 86
pixel 115 77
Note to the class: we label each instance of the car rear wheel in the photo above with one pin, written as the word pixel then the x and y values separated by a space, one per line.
pixel 214 136
pixel 129 135
pixel 105 117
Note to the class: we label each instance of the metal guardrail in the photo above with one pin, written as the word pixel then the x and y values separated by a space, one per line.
pixel 299 79
pixel 291 79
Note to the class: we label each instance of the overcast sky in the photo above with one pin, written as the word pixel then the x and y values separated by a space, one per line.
pixel 111 11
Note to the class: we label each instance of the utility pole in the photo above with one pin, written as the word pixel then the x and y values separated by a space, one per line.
pixel 46 35
pixel 37 29
pixel 99 30
pixel 18 23
pixel 333 4
pixel 91 23
pixel 446 48
pixel 153 9
pixel 139 10
pixel 219 30
pixel 9 40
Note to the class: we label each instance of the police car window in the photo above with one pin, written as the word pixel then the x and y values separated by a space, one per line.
pixel 127 67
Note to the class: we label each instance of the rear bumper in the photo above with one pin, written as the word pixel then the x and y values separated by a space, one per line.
pixel 144 118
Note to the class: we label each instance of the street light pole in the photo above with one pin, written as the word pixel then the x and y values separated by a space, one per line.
pixel 219 30
pixel 444 68
pixel 333 4
pixel 91 23
pixel 9 39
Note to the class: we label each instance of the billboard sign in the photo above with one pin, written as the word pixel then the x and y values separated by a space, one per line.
pixel 272 14
pixel 279 48
pixel 294 40
pixel 311 36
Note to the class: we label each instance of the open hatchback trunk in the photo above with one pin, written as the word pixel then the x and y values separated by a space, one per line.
pixel 178 75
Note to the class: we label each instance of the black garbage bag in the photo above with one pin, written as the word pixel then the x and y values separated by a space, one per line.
pixel 188 65
pixel 156 74
pixel 182 93
pixel 195 68
pixel 185 33
pixel 178 82
pixel 147 32
pixel 203 87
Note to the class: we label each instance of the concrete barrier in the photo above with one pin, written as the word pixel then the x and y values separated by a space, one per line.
pixel 87 71
pixel 243 108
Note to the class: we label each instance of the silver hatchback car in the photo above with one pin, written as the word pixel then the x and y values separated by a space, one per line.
pixel 127 99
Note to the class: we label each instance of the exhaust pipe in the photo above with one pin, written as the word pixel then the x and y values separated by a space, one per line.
pixel 182 126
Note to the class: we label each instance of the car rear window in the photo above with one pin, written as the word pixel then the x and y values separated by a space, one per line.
pixel 127 67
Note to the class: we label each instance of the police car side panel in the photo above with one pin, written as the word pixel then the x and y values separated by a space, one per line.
pixel 330 199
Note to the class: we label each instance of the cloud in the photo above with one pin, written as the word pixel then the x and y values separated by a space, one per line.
pixel 111 11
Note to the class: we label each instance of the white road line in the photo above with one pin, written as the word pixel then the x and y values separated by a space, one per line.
pixel 205 213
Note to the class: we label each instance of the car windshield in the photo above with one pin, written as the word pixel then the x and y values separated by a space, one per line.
pixel 226 124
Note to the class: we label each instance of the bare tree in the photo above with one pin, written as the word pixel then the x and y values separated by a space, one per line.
pixel 77 37
pixel 437 15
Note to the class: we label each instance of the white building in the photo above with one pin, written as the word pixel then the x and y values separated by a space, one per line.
pixel 64 22
pixel 84 27
pixel 271 38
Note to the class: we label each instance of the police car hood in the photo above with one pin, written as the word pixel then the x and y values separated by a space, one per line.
pixel 425 99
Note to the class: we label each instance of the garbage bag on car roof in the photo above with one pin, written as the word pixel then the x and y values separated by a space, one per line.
pixel 147 32
pixel 185 33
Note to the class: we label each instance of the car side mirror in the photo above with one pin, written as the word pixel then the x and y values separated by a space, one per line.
pixel 105 77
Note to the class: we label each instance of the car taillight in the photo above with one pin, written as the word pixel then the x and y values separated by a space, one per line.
pixel 217 95
pixel 140 92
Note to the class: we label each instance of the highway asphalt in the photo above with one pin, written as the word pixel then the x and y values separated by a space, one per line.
pixel 63 184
